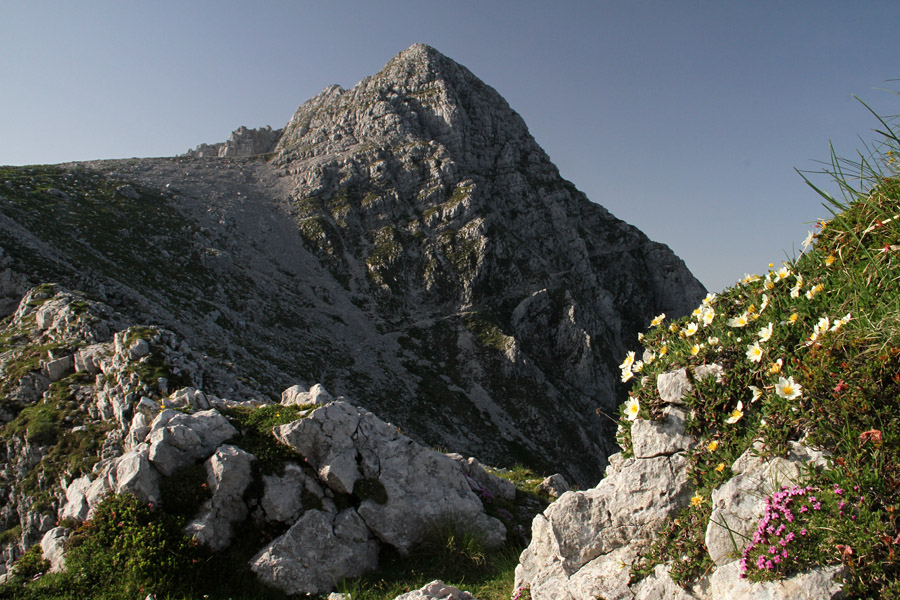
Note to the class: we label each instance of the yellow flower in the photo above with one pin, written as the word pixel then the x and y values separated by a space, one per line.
pixel 736 414
pixel 664 350
pixel 720 467
pixel 814 290
pixel 829 260
pixel 793 318
pixel 697 500
pixel 775 367
pixel 674 328
pixel 712 445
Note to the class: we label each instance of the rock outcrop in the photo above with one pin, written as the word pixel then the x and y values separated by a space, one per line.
pixel 584 544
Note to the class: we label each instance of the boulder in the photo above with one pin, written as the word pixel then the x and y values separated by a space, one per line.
pixel 554 486
pixel 56 369
pixel 53 547
pixel 318 551
pixel 283 497
pixel 76 506
pixel 228 475
pixel 663 437
pixel 403 488
pixel 299 395
pixel 590 534
pixel 436 590
pixel 673 386
pixel 178 440
pixel 819 584
pixel 485 484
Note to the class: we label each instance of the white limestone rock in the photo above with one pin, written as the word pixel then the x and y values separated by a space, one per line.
pixel 178 440
pixel 436 590
pixel 319 550
pixel 819 584
pixel 404 488
pixel 673 386
pixel 283 497
pixel 53 547
pixel 554 486
pixel 76 507
pixel 485 484
pixel 619 517
pixel 228 475
pixel 663 437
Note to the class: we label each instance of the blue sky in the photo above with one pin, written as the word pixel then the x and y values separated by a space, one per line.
pixel 686 119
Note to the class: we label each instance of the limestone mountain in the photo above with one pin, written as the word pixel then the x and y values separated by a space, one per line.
pixel 405 242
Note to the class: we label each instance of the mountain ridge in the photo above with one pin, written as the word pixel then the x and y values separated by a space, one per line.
pixel 406 242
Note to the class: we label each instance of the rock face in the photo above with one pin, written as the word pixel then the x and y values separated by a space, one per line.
pixel 405 241
pixel 584 543
pixel 242 142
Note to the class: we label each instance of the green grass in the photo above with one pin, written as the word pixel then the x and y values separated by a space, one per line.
pixel 828 322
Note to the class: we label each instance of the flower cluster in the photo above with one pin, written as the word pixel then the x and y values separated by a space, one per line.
pixel 791 527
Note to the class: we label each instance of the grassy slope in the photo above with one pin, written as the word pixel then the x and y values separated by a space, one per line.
pixel 811 352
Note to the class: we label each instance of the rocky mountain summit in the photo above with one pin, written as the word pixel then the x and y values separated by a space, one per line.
pixel 405 242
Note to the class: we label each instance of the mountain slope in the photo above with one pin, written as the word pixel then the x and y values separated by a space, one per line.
pixel 406 243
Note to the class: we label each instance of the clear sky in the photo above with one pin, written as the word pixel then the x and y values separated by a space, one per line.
pixel 686 119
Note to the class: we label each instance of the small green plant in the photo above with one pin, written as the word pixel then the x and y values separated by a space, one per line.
pixel 132 547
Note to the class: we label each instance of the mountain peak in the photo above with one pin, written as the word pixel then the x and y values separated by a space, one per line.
pixel 420 96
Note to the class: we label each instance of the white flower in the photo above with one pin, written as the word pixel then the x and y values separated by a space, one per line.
pixel 775 367
pixel 808 240
pixel 640 336
pixel 838 323
pixel 795 291
pixel 713 341
pixel 691 329
pixel 822 326
pixel 629 360
pixel 707 316
pixel 736 414
pixel 754 352
pixel 787 388
pixel 739 321
pixel 757 393
pixel 638 366
pixel 782 273
pixel 626 375
pixel 764 304
pixel 695 349
pixel 748 279
pixel 710 298
pixel 632 408
pixel 765 333
pixel 657 320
